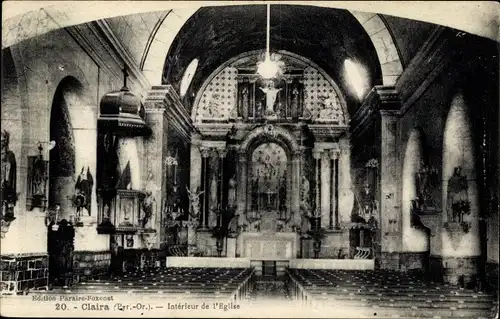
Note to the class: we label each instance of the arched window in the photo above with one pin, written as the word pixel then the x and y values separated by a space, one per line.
pixel 356 77
pixel 188 77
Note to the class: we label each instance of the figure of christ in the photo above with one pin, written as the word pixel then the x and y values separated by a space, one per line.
pixel 271 94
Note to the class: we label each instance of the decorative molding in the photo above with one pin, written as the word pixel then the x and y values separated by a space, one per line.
pixel 433 57
pixel 382 100
pixel 106 50
pixel 214 129
pixel 165 97
pixel 323 131
pixel 122 53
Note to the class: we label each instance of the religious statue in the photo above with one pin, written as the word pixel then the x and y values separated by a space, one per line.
pixel 9 167
pixel 305 223
pixel 233 224
pixel 148 208
pixel 194 198
pixel 304 199
pixel 457 199
pixel 368 204
pixel 425 178
pixel 295 99
pixel 39 177
pixel 214 105
pixel 231 193
pixel 83 188
pixel 213 204
pixel 244 102
pixel 271 94
pixel 175 211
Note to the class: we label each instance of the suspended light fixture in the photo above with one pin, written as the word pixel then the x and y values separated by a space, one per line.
pixel 268 68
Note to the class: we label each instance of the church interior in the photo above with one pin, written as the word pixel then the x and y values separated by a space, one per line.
pixel 317 155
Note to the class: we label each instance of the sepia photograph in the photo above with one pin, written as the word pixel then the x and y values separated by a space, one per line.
pixel 250 159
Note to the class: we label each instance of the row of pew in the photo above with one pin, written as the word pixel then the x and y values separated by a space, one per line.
pixel 229 284
pixel 386 294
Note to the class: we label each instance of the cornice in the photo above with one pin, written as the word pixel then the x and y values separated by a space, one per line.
pixel 120 52
pixel 166 98
pixel 324 131
pixel 381 100
pixel 432 58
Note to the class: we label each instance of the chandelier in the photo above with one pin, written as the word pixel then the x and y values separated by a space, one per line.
pixel 269 68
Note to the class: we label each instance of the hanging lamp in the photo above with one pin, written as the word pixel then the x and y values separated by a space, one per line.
pixel 268 68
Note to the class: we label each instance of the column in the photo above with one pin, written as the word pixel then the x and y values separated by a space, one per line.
pixel 389 181
pixel 345 188
pixel 325 187
pixel 222 154
pixel 334 209
pixel 212 188
pixel 205 153
pixel 242 185
pixel 296 187
pixel 155 153
pixel 317 187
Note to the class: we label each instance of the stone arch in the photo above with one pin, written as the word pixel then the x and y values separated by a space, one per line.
pixel 387 52
pixel 62 157
pixel 273 133
pixel 458 151
pixel 414 240
pixel 159 44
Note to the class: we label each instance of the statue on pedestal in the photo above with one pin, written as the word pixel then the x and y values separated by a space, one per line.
pixel 83 188
pixel 457 199
pixel 231 193
pixel 8 192
pixel 194 198
pixel 271 94
pixel 304 198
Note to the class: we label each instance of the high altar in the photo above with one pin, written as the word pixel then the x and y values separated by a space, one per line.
pixel 269 155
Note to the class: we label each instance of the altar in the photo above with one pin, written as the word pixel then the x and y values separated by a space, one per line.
pixel 269 246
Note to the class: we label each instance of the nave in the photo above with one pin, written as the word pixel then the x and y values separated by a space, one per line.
pixel 272 156
pixel 333 293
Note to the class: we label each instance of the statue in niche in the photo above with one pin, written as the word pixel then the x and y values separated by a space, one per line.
pixel 39 179
pixel 213 205
pixel 83 188
pixel 244 101
pixel 368 204
pixel 231 192
pixel 295 100
pixel 9 174
pixel 425 179
pixel 175 211
pixel 457 197
pixel 271 93
pixel 194 198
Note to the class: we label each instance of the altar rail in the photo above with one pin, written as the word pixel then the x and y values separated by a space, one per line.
pixel 208 262
pixel 353 264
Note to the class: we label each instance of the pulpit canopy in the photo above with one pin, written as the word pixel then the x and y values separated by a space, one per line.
pixel 122 113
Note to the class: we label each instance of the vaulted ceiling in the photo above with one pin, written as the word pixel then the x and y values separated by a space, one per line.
pixel 324 35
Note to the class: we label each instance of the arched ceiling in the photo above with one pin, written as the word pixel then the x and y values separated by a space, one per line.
pixel 326 36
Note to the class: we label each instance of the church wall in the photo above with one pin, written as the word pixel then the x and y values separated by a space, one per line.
pixel 469 72
pixel 43 62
